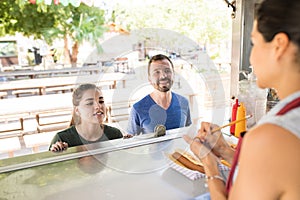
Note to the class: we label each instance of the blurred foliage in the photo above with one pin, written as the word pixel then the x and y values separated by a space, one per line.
pixel 17 16
pixel 204 21
pixel 50 22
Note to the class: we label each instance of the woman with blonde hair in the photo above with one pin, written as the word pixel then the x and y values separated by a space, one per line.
pixel 89 112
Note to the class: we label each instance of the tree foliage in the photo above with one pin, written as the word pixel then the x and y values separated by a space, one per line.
pixel 50 22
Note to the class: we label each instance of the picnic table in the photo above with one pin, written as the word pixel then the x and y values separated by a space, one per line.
pixel 51 72
pixel 25 106
pixel 42 84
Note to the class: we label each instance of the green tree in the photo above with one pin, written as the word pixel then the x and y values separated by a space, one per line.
pixel 49 22
pixel 20 16
pixel 78 24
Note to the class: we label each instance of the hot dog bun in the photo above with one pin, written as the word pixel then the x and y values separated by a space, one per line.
pixel 187 163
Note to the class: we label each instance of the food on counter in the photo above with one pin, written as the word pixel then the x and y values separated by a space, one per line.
pixel 185 161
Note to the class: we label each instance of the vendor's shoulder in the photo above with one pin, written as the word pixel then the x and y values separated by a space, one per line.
pixel 268 135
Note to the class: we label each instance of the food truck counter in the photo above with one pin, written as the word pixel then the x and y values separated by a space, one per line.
pixel 135 168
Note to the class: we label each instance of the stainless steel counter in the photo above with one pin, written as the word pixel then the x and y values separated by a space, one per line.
pixel 133 168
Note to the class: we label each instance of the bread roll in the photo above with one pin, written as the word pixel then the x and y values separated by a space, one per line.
pixel 187 163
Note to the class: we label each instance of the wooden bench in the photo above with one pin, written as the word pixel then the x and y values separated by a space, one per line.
pixel 62 89
pixel 25 92
pixel 53 121
pixel 10 127
pixel 3 95
pixel 39 142
pixel 30 73
pixel 9 145
pixel 109 84
pixel 70 88
pixel 118 112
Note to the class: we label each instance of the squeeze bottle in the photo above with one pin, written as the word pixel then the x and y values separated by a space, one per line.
pixel 233 116
pixel 241 114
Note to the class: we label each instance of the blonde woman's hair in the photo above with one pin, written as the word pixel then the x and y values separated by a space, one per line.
pixel 76 98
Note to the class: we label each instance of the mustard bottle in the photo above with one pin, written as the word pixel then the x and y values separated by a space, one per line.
pixel 241 126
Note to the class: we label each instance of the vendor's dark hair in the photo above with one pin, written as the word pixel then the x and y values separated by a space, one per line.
pixel 159 57
pixel 279 16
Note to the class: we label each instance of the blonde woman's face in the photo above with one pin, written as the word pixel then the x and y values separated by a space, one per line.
pixel 91 108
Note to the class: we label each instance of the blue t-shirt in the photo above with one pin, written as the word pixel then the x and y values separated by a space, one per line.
pixel 146 114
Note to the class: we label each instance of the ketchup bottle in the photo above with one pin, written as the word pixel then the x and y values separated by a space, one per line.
pixel 233 116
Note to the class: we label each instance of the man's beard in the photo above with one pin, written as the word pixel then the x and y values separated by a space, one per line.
pixel 164 88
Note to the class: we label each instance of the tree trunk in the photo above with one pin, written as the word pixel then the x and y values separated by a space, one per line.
pixel 74 54
pixel 67 56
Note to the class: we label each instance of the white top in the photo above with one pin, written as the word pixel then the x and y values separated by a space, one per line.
pixel 289 121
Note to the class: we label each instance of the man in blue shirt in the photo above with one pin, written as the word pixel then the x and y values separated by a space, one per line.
pixel 162 106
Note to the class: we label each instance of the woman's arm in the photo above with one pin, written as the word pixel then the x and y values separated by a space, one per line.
pixel 216 186
pixel 268 165
pixel 215 182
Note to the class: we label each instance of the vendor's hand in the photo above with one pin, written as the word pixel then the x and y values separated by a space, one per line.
pixel 215 141
pixel 59 146
pixel 203 152
pixel 127 136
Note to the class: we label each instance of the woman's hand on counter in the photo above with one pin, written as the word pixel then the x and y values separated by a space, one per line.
pixel 59 146
pixel 127 136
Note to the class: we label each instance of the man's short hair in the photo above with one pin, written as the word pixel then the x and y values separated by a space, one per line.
pixel 159 57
